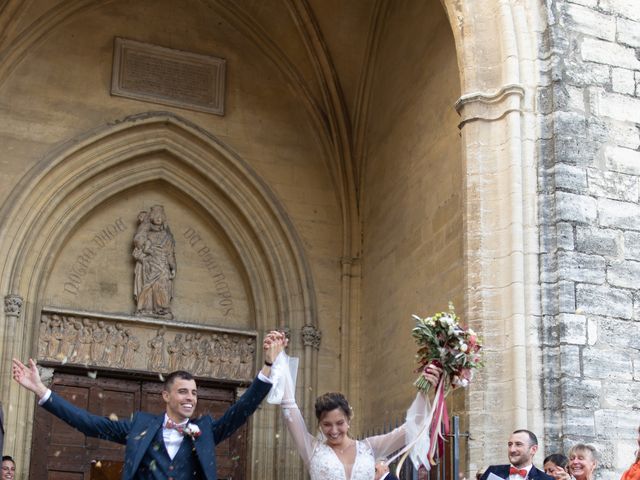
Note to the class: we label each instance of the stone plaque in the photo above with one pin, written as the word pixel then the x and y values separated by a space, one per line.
pixel 132 343
pixel 169 77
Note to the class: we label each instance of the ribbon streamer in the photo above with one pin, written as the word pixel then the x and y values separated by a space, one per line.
pixel 421 447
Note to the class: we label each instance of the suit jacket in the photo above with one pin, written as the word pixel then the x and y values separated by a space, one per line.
pixel 138 432
pixel 503 472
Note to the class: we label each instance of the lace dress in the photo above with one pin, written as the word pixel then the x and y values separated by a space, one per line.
pixel 321 460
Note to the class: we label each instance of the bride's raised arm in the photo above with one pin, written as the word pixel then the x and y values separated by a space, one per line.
pixel 305 442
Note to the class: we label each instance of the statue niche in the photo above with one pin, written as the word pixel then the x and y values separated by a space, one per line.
pixel 155 269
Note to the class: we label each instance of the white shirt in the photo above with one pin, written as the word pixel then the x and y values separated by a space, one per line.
pixel 172 438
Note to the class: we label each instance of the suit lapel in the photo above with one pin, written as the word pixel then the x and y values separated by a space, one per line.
pixel 145 434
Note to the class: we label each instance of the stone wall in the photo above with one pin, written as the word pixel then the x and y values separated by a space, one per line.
pixel 590 222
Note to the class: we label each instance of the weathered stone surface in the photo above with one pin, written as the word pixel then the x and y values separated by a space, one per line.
pixel 570 361
pixel 617 214
pixel 615 421
pixel 625 274
pixel 631 245
pixel 616 186
pixel 599 241
pixel 579 422
pixel 581 267
pixel 603 300
pixel 624 134
pixel 621 395
pixel 592 331
pixel 558 297
pixel 565 234
pixel 576 208
pixel 572 328
pixel 581 393
pixel 612 364
pixel 609 53
pixel 570 177
pixel 626 8
pixel 590 22
pixel 614 105
pixel 628 32
pixel 611 328
pixel 623 81
pixel 622 160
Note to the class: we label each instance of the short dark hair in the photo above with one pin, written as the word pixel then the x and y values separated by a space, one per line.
pixel 533 440
pixel 557 459
pixel 169 379
pixel 330 401
pixel 8 457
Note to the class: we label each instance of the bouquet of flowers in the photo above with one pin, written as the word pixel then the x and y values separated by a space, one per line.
pixel 442 341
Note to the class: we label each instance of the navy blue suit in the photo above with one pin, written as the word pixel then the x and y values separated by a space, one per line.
pixel 145 454
pixel 503 472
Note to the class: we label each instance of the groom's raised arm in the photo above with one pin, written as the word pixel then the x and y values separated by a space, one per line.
pixel 85 422
pixel 240 411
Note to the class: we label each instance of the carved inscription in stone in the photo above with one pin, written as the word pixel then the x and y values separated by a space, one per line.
pixel 135 344
pixel 170 77
pixel 208 261
pixel 80 267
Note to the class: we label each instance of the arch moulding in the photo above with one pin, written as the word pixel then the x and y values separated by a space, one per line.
pixel 80 176
pixel 498 43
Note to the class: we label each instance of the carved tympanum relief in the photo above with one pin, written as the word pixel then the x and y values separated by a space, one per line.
pixel 135 344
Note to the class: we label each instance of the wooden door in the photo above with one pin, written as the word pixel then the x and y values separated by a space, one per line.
pixel 59 452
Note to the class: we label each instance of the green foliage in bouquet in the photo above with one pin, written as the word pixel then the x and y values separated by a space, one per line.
pixel 443 341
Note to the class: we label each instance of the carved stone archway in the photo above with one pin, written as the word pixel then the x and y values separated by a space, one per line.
pixel 77 178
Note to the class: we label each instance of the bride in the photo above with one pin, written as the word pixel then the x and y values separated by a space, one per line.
pixel 335 455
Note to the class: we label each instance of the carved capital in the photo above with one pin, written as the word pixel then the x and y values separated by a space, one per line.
pixel 311 336
pixel 13 305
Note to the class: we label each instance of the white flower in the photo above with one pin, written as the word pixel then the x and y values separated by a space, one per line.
pixel 464 347
pixel 192 430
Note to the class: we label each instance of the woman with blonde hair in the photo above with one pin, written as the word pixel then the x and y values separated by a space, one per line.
pixel 634 471
pixel 583 460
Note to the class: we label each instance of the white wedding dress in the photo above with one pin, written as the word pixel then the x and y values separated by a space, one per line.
pixel 321 460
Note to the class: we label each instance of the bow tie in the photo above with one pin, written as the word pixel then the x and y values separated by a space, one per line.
pixel 175 426
pixel 518 471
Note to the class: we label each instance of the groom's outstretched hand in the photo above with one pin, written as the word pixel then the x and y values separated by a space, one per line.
pixel 28 377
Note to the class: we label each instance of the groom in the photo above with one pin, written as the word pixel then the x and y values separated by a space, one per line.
pixel 170 445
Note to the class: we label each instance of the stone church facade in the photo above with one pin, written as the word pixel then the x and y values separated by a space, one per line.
pixel 327 168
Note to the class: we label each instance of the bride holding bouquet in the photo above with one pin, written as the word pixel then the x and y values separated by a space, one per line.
pixel 333 454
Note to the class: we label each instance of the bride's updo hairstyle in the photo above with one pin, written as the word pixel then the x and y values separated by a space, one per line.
pixel 330 401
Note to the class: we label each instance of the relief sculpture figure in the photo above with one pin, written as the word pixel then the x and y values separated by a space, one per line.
pixel 155 269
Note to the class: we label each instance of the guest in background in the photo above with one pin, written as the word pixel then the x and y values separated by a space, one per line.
pixel 583 460
pixel 8 468
pixel 521 448
pixel 557 465
pixel 634 471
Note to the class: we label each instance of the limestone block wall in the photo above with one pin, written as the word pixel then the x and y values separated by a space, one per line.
pixel 590 227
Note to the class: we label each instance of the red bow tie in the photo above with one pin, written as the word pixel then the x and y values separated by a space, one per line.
pixel 173 425
pixel 518 471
